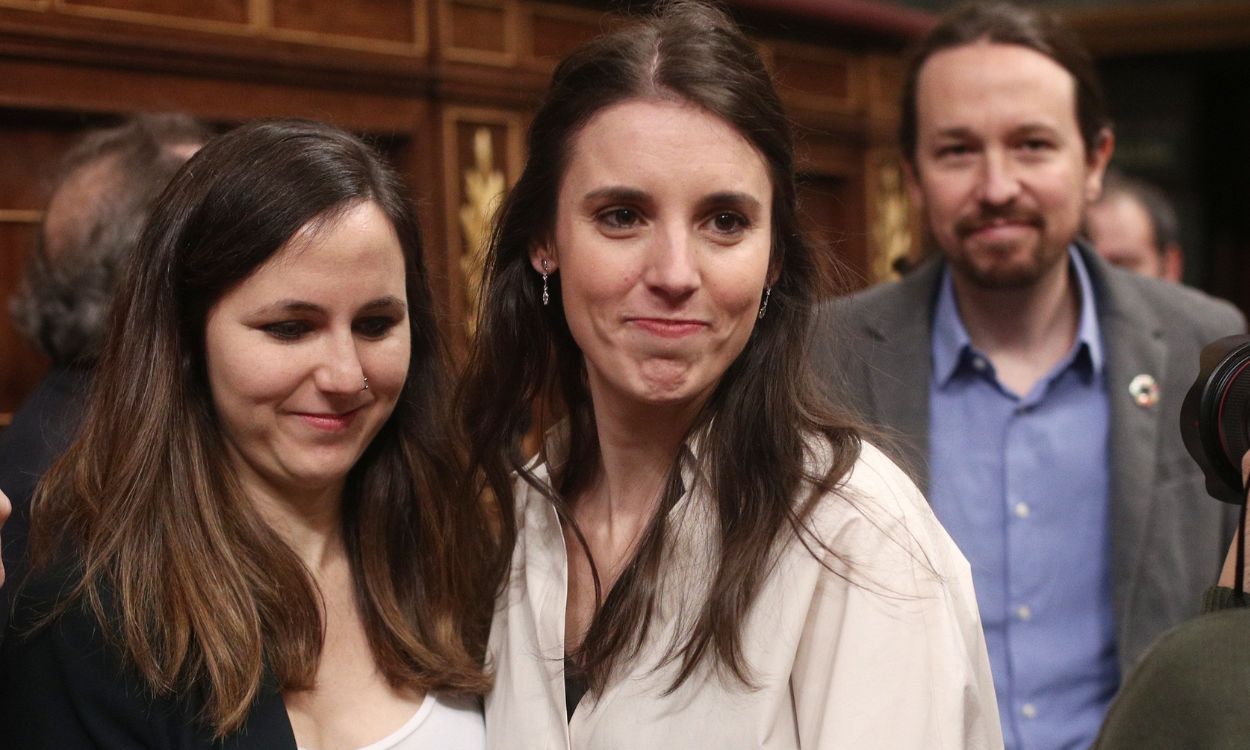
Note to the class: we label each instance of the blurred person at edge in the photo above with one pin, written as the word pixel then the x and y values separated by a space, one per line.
pixel 1035 388
pixel 5 509
pixel 705 554
pixel 1189 689
pixel 1133 225
pixel 253 542
pixel 104 190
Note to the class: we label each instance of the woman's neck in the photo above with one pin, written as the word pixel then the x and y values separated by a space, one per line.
pixel 638 445
pixel 309 521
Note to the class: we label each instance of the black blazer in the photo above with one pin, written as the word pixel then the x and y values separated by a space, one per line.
pixel 40 432
pixel 64 687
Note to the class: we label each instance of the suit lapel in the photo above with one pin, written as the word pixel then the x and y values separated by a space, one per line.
pixel 1135 345
pixel 901 363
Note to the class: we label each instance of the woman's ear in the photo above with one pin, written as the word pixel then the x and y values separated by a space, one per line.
pixel 542 251
pixel 774 270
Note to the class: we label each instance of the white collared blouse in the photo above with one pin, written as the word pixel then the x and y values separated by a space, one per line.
pixel 879 647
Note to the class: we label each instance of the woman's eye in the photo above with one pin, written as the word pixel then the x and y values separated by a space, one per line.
pixel 287 330
pixel 375 327
pixel 618 218
pixel 729 222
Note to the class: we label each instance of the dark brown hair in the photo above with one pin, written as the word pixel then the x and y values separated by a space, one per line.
pixel 115 176
pixel 145 499
pixel 1007 23
pixel 755 461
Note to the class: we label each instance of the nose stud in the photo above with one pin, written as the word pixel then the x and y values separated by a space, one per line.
pixel 365 387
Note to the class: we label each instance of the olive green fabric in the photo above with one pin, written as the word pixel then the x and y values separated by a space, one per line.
pixel 1192 688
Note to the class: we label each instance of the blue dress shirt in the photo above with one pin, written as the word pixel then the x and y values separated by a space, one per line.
pixel 1022 483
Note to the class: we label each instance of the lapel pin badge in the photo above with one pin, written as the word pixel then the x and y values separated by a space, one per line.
pixel 1144 390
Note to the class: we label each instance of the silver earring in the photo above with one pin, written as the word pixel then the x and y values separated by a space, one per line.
pixel 365 387
pixel 546 297
pixel 764 305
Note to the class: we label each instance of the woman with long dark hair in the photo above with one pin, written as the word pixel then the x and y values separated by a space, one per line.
pixel 706 554
pixel 254 542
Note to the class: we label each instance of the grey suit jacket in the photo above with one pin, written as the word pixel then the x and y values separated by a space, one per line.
pixel 1168 537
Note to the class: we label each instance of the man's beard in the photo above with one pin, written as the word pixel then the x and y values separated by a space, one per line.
pixel 978 265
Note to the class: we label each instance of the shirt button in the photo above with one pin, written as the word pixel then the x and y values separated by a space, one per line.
pixel 979 364
pixel 1028 711
pixel 1024 613
pixel 1021 510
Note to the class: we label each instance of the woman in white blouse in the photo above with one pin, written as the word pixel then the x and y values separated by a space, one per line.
pixel 705 554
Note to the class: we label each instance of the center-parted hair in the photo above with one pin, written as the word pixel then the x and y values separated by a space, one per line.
pixel 196 589
pixel 524 359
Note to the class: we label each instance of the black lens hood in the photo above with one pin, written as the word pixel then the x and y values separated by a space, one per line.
pixel 1214 416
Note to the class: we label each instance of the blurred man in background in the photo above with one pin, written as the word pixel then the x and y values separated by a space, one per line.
pixel 104 189
pixel 1133 225
pixel 1035 390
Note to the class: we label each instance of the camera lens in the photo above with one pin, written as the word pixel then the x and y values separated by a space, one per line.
pixel 1215 416
pixel 1233 410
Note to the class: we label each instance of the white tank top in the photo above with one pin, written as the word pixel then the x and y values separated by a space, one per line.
pixel 442 722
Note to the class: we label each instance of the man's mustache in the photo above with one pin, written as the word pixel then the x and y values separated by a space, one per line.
pixel 992 217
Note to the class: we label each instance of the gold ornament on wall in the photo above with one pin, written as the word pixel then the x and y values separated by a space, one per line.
pixel 891 226
pixel 484 186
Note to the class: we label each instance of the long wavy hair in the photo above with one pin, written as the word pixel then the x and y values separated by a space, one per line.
pixel 146 500
pixel 767 410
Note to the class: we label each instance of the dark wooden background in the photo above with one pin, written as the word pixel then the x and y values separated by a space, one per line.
pixel 420 77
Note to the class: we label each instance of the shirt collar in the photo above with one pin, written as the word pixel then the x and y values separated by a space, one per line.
pixel 952 345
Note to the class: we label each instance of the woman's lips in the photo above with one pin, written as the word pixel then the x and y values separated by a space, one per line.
pixel 670 328
pixel 329 422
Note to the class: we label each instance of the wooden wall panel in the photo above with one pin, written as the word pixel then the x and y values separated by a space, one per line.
pixel 156 11
pixel 368 19
pixel 828 211
pixel 21 364
pixel 30 148
pixel 832 203
pixel 480 31
pixel 549 32
pixel 811 77
pixel 883 77
pixel 388 26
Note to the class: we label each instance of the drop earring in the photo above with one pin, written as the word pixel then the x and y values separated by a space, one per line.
pixel 546 296
pixel 768 290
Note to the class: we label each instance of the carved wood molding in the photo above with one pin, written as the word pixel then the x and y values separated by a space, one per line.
pixel 469 158
pixel 1173 27
pixel 20 216
pixel 891 218
pixel 252 19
